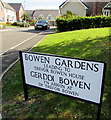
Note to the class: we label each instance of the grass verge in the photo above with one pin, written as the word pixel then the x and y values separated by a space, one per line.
pixel 91 44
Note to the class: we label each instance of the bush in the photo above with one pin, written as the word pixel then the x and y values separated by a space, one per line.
pixel 8 23
pixel 24 24
pixel 32 23
pixel 76 23
pixel 21 24
pixel 32 20
pixel 15 24
pixel 69 14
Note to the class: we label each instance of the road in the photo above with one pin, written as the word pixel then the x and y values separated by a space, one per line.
pixel 18 39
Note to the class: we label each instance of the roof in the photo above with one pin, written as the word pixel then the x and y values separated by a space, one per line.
pixel 7 6
pixel 46 12
pixel 29 12
pixel 108 5
pixel 16 6
pixel 64 3
pixel 96 0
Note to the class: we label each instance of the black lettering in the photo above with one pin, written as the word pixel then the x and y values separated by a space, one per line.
pixel 36 58
pixel 45 59
pixel 57 61
pixel 51 78
pixel 39 75
pixel 41 59
pixel 87 86
pixel 89 67
pixel 66 81
pixel 30 57
pixel 32 73
pixel 70 92
pixel 81 85
pixel 26 57
pixel 73 82
pixel 61 80
pixel 77 64
pixel 63 63
pixel 96 68
pixel 83 65
pixel 44 76
pixel 70 63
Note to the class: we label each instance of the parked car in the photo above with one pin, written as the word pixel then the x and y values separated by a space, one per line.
pixel 42 24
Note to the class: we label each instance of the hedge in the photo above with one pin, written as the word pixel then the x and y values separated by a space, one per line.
pixel 68 24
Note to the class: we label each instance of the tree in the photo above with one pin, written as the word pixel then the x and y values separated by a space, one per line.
pixel 40 18
pixel 25 17
pixel 68 14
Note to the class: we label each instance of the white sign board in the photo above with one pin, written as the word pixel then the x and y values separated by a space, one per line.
pixel 78 78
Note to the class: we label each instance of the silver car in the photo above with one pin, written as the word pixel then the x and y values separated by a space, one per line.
pixel 42 24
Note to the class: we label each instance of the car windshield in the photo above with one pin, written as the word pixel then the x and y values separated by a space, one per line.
pixel 41 21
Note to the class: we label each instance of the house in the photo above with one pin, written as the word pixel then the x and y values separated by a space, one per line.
pixel 98 7
pixel 30 13
pixel 2 12
pixel 49 15
pixel 75 6
pixel 106 10
pixel 19 10
pixel 9 13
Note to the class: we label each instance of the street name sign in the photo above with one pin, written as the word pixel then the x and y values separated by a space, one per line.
pixel 78 78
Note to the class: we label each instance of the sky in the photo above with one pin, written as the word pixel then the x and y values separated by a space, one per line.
pixel 37 4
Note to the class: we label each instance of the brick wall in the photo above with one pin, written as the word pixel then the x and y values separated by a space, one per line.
pixel 95 8
pixel 99 7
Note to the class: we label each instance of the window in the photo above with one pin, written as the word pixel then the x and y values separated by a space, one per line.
pixel 107 12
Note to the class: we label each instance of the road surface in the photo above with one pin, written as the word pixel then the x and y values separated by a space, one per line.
pixel 18 39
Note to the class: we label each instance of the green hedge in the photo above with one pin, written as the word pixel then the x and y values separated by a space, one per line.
pixel 68 24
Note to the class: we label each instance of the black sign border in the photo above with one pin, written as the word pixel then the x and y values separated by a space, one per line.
pixel 25 84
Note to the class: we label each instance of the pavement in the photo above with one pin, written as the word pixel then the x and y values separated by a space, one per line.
pixel 10 28
pixel 10 57
pixel 21 28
